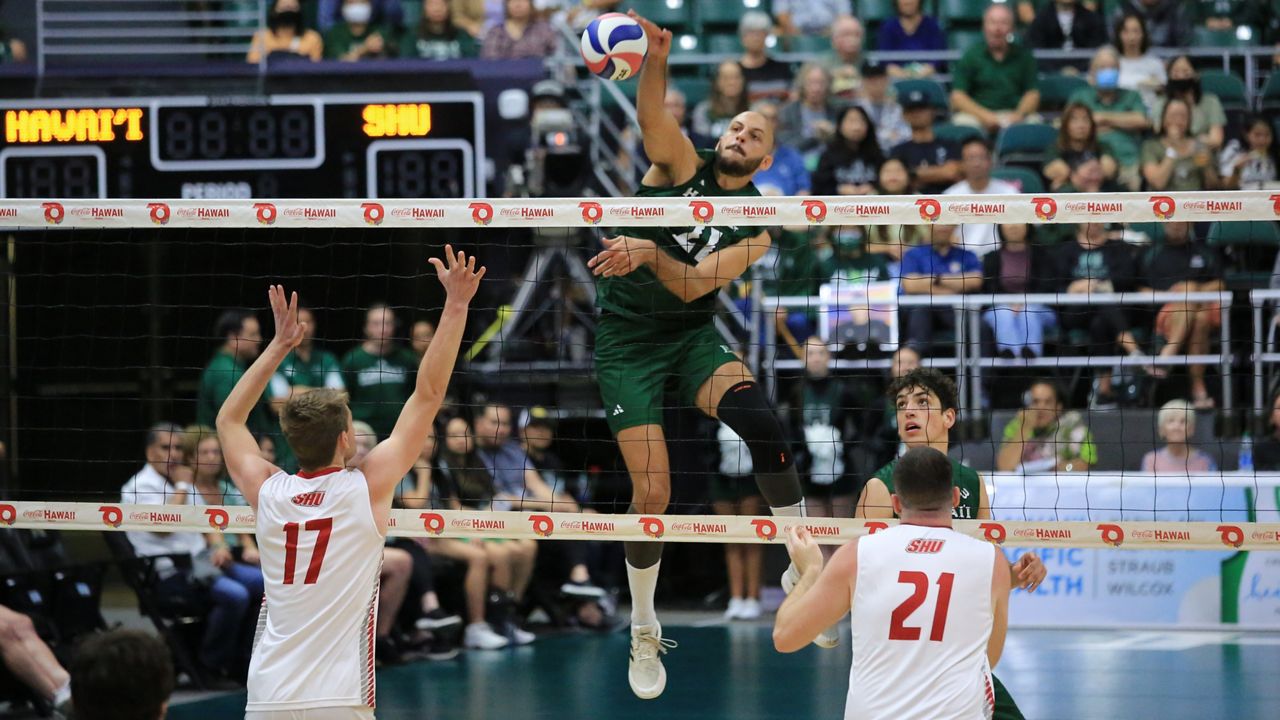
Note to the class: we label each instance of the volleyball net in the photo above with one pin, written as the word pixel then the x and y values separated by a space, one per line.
pixel 117 310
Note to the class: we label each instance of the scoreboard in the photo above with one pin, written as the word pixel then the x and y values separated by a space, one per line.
pixel 377 145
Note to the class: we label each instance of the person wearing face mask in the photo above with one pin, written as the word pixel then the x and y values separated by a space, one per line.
pixel 1120 116
pixel 329 13
pixel 285 35
pixel 1207 121
pixel 358 36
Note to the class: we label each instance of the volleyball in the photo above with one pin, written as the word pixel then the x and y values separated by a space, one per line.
pixel 614 46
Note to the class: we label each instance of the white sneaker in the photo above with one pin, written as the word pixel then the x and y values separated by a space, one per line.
pixel 520 636
pixel 479 636
pixel 750 609
pixel 828 638
pixel 644 669
pixel 735 609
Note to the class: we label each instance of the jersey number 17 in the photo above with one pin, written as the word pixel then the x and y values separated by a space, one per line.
pixel 322 527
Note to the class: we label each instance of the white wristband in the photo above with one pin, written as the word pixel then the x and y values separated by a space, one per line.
pixel 184 487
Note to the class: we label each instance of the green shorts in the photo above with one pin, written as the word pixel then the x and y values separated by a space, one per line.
pixel 1006 708
pixel 635 363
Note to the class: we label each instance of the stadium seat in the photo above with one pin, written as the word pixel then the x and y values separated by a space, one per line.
pixel 722 44
pixel 1249 248
pixel 961 13
pixel 949 132
pixel 723 14
pixel 1202 36
pixel 686 44
pixel 1229 89
pixel 1250 233
pixel 874 12
pixel 811 44
pixel 961 39
pixel 1027 181
pixel 931 88
pixel 695 89
pixel 674 15
pixel 1270 97
pixel 411 10
pixel 1056 89
pixel 1024 143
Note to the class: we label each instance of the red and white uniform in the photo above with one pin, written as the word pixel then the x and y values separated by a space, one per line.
pixel 922 616
pixel 321 558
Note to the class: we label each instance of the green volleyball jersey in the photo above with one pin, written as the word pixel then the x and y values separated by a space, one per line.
pixel 640 295
pixel 320 370
pixel 962 477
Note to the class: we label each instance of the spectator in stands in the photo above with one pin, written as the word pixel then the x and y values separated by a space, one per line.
pixel 1176 159
pixel 285 35
pixel 579 13
pixel 1085 175
pixel 1168 22
pixel 808 123
pixel 1184 264
pixel 787 174
pixel 1252 165
pixel 330 13
pixel 522 34
pixel 939 268
pixel 1176 423
pixel 934 164
pixel 893 240
pixel 767 77
pixel 734 492
pixel 1227 15
pixel 1096 264
pixel 911 29
pixel 378 373
pixel 1266 453
pixel 436 37
pixel 975 164
pixel 881 107
pixel 267 447
pixel 994 83
pixel 1043 438
pixel 1208 121
pixel 1140 69
pixel 305 368
pixel 421 335
pixel 728 98
pixel 1017 268
pixel 844 62
pixel 851 263
pixel 203 454
pixel 122 675
pixel 164 480
pixel 1066 25
pixel 1119 115
pixel 1077 136
pixel 851 163
pixel 810 17
pixel 360 36
pixel 241 339
pixel 24 654
pixel 821 411
pixel 473 15
pixel 878 425
pixel 12 50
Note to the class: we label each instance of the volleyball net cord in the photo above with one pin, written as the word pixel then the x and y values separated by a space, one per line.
pixel 1213 511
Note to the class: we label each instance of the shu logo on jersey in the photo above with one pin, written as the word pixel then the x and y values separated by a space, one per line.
pixel 309 499
pixel 617 410
pixel 925 546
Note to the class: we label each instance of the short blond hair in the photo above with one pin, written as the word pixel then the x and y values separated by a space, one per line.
pixel 312 422
pixel 1172 408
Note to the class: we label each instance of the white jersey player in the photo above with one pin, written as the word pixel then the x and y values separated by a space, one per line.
pixel 929 605
pixel 321 532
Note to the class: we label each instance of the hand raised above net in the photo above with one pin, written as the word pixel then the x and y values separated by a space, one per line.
pixel 459 277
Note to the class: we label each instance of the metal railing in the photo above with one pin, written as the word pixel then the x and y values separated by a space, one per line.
pixel 1263 340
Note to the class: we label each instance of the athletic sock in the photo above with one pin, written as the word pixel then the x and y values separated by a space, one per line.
pixel 796 510
pixel 62 694
pixel 643 583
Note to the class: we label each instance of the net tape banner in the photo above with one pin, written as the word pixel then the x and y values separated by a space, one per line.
pixel 644 212
pixel 671 528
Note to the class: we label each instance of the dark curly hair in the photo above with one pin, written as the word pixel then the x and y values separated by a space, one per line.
pixel 930 380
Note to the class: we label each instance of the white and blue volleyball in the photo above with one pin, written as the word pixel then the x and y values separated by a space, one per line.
pixel 614 46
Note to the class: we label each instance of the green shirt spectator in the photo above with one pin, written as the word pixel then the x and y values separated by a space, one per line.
pixel 348 41
pixel 241 341
pixel 1043 438
pixel 378 374
pixel 436 37
pixel 1206 114
pixel 305 368
pixel 995 84
pixel 1121 144
pixel 1190 170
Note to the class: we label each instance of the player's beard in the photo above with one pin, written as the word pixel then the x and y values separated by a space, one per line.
pixel 733 163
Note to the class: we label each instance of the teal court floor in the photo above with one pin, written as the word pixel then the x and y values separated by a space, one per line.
pixel 724 672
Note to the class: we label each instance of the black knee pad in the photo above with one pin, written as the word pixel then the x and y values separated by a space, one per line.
pixel 746 411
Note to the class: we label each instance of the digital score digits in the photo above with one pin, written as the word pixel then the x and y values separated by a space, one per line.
pixel 422 145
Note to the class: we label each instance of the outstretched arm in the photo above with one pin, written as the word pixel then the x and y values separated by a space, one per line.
pixel 623 255
pixel 387 463
pixel 239 450
pixel 664 142
pixel 822 596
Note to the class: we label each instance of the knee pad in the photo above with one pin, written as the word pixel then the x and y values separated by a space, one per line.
pixel 746 411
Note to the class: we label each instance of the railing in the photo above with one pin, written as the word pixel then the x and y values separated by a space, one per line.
pixel 1263 341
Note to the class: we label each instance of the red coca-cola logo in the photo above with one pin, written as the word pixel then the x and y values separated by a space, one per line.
pixel 815 211
pixel 432 522
pixel 993 532
pixel 766 529
pixel 53 212
pixel 1046 208
pixel 481 213
pixel 703 211
pixel 112 516
pixel 875 526
pixel 1275 204
pixel 217 518
pixel 591 212
pixel 1112 534
pixel 266 213
pixel 1162 206
pixel 652 526
pixel 542 525
pixel 8 515
pixel 929 208
pixel 1232 535
pixel 373 213
pixel 159 213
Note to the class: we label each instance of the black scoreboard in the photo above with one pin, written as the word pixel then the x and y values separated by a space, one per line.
pixel 384 145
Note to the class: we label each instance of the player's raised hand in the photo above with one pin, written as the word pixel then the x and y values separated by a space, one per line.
pixel 1029 572
pixel 659 38
pixel 285 312
pixel 458 274
pixel 622 255
pixel 805 553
